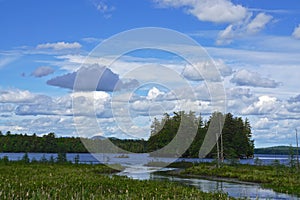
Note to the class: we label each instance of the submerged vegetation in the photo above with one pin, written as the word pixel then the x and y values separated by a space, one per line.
pixel 19 180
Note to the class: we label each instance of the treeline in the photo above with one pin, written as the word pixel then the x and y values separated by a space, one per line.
pixel 278 150
pixel 16 143
pixel 236 134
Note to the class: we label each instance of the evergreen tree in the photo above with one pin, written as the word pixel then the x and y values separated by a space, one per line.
pixel 236 134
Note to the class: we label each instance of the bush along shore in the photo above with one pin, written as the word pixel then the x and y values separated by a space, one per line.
pixel 280 178
pixel 64 180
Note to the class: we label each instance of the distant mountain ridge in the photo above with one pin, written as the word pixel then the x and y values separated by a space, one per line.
pixel 279 150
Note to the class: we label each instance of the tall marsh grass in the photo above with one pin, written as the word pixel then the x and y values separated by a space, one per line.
pixel 70 181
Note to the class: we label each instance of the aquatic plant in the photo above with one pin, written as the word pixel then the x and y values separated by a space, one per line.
pixel 70 181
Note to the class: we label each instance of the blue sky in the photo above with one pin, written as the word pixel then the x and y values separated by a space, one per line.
pixel 44 44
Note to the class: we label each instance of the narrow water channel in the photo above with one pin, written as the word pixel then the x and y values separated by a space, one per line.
pixel 237 190
pixel 251 191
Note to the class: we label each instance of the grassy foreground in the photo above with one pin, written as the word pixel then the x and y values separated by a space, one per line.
pixel 70 181
pixel 280 178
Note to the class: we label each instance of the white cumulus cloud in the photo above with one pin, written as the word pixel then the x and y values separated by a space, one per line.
pixel 264 105
pixel 16 96
pixel 207 70
pixel 59 45
pixel 258 23
pixel 226 36
pixel 218 11
pixel 91 104
pixel 153 93
pixel 296 33
pixel 293 104
pixel 248 78
pixel 4 107
pixel 264 123
pixel 243 28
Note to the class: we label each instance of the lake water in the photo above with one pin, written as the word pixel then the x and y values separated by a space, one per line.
pixel 135 168
pixel 141 159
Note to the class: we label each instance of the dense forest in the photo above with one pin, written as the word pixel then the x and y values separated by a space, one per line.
pixel 236 135
pixel 45 144
pixel 51 144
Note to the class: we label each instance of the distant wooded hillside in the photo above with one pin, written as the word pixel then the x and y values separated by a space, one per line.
pixel 279 150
